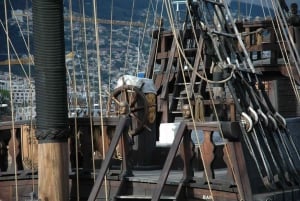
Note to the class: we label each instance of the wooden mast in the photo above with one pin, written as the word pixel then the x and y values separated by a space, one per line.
pixel 51 100
pixel 53 172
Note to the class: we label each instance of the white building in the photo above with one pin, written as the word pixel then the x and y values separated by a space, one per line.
pixel 18 15
pixel 23 91
pixel 23 95
pixel 4 85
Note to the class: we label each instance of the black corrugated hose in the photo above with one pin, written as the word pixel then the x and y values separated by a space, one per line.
pixel 50 71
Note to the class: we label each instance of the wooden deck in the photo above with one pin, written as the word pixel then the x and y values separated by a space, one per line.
pixel 141 186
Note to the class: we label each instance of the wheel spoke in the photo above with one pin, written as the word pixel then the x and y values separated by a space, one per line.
pixel 116 100
pixel 149 129
pixel 134 100
pixel 132 92
pixel 142 125
pixel 136 117
pixel 124 95
pixel 135 109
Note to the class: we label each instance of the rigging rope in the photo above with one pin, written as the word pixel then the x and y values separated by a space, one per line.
pixel 158 35
pixel 31 133
pixel 294 55
pixel 28 77
pixel 129 37
pixel 27 45
pixel 189 101
pixel 287 35
pixel 13 131
pixel 15 52
pixel 250 66
pixel 181 55
pixel 100 88
pixel 249 63
pixel 169 13
pixel 280 37
pixel 76 102
pixel 250 10
pixel 263 9
pixel 88 90
pixel 141 42
pixel 83 37
pixel 110 45
pixel 215 109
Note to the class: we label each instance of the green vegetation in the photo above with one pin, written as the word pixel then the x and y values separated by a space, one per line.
pixel 4 99
pixel 4 94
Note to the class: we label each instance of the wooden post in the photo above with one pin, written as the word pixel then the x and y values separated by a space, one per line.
pixel 53 172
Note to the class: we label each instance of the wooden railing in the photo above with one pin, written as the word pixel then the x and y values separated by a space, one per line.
pixel 19 146
pixel 260 38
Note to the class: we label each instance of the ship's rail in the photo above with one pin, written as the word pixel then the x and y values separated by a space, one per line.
pixel 261 41
pixel 19 146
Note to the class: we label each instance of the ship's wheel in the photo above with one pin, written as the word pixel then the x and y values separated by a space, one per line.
pixel 129 100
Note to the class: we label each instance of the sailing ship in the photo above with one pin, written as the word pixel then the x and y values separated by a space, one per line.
pixel 214 117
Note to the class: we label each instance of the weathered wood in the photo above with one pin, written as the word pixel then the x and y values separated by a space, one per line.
pixel 53 171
